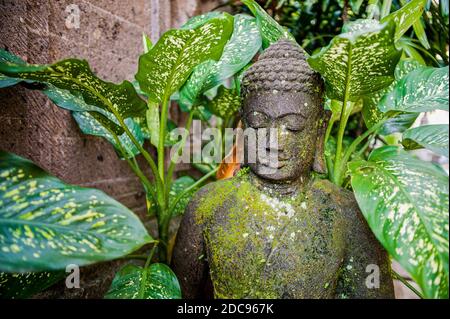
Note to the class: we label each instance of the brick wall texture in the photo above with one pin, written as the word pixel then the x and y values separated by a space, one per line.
pixel 109 38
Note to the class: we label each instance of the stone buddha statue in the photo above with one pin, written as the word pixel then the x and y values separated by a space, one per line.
pixel 279 230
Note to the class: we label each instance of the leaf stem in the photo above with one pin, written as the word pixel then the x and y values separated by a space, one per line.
pixel 178 152
pixel 345 114
pixel 190 188
pixel 145 272
pixel 162 137
pixel 134 166
pixel 150 256
pixel 407 284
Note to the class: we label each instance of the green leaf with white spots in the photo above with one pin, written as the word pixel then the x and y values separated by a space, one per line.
pixel 226 103
pixel 419 30
pixel 165 68
pixel 7 57
pixel 359 61
pixel 271 31
pixel 238 52
pixel 25 285
pixel 201 19
pixel 406 16
pixel 405 202
pixel 431 137
pixel 372 115
pixel 92 124
pixel 190 92
pixel 76 77
pixel 424 89
pixel 176 189
pixel 157 281
pixel 46 224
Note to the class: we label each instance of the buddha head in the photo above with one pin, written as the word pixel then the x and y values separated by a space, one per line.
pixel 282 94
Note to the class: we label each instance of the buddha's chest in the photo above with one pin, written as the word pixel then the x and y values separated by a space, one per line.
pixel 281 251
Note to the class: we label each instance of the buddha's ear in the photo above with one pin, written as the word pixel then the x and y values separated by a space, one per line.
pixel 319 165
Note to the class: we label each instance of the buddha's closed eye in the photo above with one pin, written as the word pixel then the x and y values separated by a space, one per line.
pixel 293 122
pixel 257 120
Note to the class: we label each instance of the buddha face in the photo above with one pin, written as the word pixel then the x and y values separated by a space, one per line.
pixel 294 118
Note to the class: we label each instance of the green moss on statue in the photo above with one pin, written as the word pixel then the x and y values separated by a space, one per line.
pixel 276 230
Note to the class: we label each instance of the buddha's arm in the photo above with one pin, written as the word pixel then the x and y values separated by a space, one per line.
pixel 188 259
pixel 366 272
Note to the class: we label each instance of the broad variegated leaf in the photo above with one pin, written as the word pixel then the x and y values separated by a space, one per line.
pixel 92 124
pixel 372 115
pixel 200 20
pixel 359 61
pixel 431 137
pixel 25 285
pixel 270 30
pixel 406 16
pixel 7 57
pixel 238 52
pixel 75 77
pixel 61 97
pixel 190 92
pixel 226 103
pixel 46 224
pixel 165 68
pixel 177 187
pixel 405 202
pixel 157 281
pixel 424 89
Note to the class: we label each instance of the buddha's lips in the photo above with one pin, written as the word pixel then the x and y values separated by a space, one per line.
pixel 278 165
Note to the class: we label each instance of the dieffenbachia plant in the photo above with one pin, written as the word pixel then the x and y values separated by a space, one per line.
pixel 200 66
pixel 404 199
pixel 46 224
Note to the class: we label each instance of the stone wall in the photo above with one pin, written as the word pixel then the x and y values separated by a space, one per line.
pixel 108 36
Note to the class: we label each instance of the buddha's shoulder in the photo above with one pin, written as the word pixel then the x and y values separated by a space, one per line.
pixel 342 198
pixel 219 189
pixel 216 194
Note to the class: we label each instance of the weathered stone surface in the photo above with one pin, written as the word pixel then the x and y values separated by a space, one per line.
pixel 278 230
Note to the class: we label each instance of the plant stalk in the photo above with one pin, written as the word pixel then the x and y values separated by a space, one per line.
pixel 407 284
pixel 162 137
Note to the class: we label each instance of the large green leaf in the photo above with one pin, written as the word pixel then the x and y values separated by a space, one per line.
pixel 91 123
pixel 76 77
pixel 177 187
pixel 226 103
pixel 406 16
pixel 25 285
pixel 359 61
pixel 270 30
pixel 372 115
pixel 46 224
pixel 424 89
pixel 432 137
pixel 154 282
pixel 200 20
pixel 165 68
pixel 6 57
pixel 405 202
pixel 238 52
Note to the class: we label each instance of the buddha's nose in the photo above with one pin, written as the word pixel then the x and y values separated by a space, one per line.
pixel 276 142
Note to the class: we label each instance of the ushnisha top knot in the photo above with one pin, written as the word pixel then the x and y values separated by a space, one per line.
pixel 281 68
